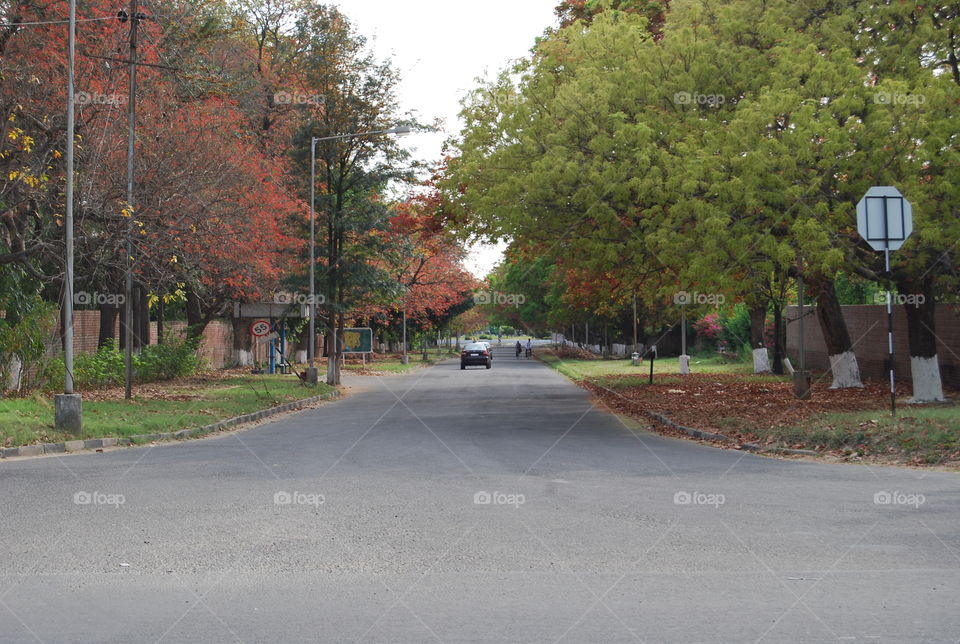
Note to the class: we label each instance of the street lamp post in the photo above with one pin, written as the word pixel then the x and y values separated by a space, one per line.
pixel 311 375
pixel 68 412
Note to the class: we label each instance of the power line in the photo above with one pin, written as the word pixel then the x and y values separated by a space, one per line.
pixel 52 22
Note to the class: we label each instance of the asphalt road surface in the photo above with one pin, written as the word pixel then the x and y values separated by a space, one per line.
pixel 472 506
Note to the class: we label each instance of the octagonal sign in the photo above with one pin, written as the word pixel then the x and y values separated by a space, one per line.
pixel 884 218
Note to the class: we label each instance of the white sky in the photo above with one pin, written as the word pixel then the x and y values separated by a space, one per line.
pixel 440 47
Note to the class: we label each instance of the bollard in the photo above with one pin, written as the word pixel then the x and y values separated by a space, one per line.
pixel 801 385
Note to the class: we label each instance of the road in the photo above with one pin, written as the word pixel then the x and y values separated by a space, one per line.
pixel 472 506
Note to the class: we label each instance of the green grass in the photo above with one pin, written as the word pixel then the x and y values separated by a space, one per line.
pixel 24 421
pixel 393 364
pixel 928 435
pixel 600 370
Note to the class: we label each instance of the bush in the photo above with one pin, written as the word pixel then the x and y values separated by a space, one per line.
pixel 708 328
pixel 103 368
pixel 735 327
pixel 106 367
pixel 167 361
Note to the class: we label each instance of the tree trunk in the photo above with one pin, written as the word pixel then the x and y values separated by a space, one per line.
pixel 160 321
pixel 303 345
pixel 758 319
pixel 196 321
pixel 242 343
pixel 108 322
pixel 921 328
pixel 843 361
pixel 778 340
pixel 141 317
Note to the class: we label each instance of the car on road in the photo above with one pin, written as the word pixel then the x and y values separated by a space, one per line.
pixel 476 353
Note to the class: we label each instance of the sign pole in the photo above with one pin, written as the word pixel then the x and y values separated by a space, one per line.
pixel 893 388
pixel 868 212
pixel 886 256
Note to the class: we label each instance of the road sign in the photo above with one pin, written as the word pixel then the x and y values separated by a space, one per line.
pixel 884 218
pixel 260 328
pixel 357 340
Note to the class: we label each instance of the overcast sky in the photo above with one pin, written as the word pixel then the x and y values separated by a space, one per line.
pixel 440 47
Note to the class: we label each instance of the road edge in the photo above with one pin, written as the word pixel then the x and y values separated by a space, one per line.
pixel 79 445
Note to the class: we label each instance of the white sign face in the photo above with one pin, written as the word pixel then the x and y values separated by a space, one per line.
pixel 884 218
pixel 260 328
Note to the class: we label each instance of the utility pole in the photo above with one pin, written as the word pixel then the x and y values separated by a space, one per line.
pixel 135 19
pixel 68 407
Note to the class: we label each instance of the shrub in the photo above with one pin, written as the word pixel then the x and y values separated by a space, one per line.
pixel 708 327
pixel 167 361
pixel 103 368
pixel 106 367
pixel 735 326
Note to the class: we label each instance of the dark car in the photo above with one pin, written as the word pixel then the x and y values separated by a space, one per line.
pixel 476 353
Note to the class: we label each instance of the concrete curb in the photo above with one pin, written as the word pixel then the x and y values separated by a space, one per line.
pixel 699 433
pixel 753 447
pixel 691 431
pixel 100 443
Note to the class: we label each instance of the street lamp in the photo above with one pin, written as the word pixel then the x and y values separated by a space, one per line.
pixel 311 374
pixel 68 407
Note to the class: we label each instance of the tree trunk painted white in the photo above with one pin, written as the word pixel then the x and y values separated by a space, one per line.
pixel 927 386
pixel 761 363
pixel 244 358
pixel 300 356
pixel 845 370
pixel 684 364
pixel 15 371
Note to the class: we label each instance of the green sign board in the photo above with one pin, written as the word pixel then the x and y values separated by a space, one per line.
pixel 357 340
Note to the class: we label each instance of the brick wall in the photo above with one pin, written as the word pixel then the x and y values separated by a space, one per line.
pixel 216 346
pixel 868 332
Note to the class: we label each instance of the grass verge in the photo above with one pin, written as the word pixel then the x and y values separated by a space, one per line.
pixel 390 363
pixel 918 435
pixel 579 369
pixel 161 407
pixel 849 424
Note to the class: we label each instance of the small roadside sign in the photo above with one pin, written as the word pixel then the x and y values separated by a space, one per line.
pixel 884 218
pixel 260 328
pixel 357 340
